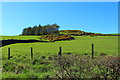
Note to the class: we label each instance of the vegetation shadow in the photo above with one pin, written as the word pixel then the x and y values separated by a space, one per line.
pixel 13 41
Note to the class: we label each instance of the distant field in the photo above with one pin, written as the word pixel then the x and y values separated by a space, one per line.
pixel 81 45
pixel 19 37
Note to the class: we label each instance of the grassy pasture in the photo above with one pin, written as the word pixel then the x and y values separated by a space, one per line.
pixel 81 45
pixel 21 62
pixel 19 37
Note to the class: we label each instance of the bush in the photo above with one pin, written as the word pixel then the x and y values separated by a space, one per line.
pixel 53 38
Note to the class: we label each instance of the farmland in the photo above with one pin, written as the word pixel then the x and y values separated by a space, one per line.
pixel 20 53
pixel 81 44
pixel 19 37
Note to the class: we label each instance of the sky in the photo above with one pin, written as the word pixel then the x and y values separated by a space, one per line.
pixel 97 17
pixel 60 0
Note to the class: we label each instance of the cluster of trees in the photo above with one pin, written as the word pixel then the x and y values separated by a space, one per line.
pixel 41 30
pixel 54 29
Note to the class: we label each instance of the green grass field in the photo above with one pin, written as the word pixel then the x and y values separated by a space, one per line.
pixel 81 45
pixel 20 64
pixel 19 37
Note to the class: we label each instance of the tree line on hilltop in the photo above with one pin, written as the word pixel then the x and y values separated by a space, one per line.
pixel 48 30
pixel 41 30
pixel 54 29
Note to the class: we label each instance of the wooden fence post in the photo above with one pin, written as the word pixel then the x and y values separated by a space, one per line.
pixel 8 53
pixel 61 63
pixel 92 51
pixel 31 53
pixel 60 51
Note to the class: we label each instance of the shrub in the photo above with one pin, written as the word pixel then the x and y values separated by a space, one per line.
pixel 53 38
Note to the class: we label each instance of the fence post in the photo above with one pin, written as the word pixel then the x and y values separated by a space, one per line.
pixel 61 63
pixel 31 53
pixel 60 51
pixel 8 53
pixel 92 51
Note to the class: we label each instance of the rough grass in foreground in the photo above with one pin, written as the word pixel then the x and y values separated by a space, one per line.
pixel 73 66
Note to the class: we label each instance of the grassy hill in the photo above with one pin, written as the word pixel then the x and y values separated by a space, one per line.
pixel 81 33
